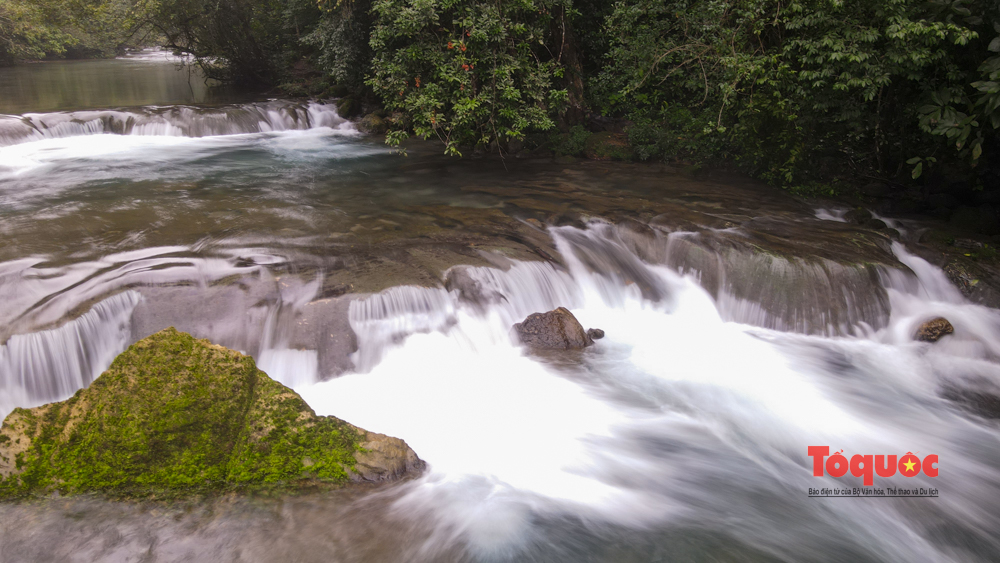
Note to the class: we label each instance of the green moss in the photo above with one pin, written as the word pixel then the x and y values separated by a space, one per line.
pixel 175 415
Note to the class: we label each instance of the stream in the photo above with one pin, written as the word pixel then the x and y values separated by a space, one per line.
pixel 742 326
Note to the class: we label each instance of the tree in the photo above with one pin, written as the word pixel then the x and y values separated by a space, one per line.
pixel 468 72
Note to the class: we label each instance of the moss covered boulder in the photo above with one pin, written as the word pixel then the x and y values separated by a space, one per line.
pixel 174 415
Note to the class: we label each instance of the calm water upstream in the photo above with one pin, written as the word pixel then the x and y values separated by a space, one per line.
pixel 742 327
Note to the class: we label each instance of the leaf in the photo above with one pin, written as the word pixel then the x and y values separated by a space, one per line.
pixel 977 150
pixel 995 45
pixel 914 160
pixel 918 170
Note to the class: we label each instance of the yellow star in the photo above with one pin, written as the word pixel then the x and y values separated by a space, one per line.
pixel 909 466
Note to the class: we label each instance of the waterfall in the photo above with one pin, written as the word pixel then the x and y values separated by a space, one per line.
pixel 689 410
pixel 176 121
pixel 680 414
pixel 53 364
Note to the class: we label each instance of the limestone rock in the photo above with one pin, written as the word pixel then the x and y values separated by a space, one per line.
pixel 933 330
pixel 383 458
pixel 554 330
pixel 173 416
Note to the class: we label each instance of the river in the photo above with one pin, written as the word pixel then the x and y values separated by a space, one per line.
pixel 742 326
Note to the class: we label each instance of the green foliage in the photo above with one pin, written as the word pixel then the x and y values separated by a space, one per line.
pixel 250 42
pixel 37 29
pixel 468 72
pixel 570 143
pixel 174 415
pixel 340 40
pixel 778 86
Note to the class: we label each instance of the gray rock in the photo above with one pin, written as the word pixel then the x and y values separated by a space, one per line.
pixel 470 291
pixel 595 333
pixel 554 330
pixel 384 458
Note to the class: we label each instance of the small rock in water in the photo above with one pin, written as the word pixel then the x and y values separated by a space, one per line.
pixel 858 216
pixel 555 330
pixel 595 333
pixel 933 330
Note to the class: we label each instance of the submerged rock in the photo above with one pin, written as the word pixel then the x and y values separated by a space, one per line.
pixel 174 415
pixel 979 402
pixel 595 333
pixel 934 330
pixel 555 330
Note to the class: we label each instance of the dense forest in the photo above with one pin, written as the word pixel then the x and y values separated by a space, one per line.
pixel 812 95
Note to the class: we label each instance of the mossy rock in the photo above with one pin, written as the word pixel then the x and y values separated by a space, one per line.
pixel 348 108
pixel 373 125
pixel 608 146
pixel 174 416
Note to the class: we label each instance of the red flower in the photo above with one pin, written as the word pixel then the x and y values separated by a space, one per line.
pixel 463 47
pixel 450 45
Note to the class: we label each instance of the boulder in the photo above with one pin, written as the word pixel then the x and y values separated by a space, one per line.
pixel 555 330
pixel 373 125
pixel 595 333
pixel 934 330
pixel 175 416
pixel 858 216
pixel 348 108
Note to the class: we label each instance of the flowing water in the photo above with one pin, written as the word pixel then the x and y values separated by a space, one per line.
pixel 742 327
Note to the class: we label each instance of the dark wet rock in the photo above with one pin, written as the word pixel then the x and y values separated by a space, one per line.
pixel 967 243
pixel 934 330
pixel 858 216
pixel 961 277
pixel 876 224
pixel 608 146
pixel 373 125
pixel 554 330
pixel 979 402
pixel 569 219
pixel 595 333
pixel 175 416
pixel 982 219
pixel 348 108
